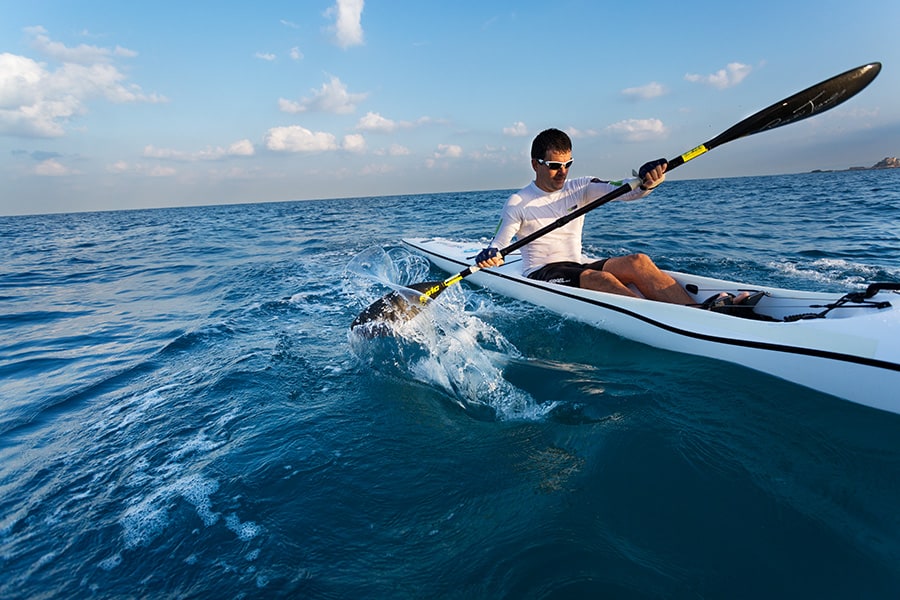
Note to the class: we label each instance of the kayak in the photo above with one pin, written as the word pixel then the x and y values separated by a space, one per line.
pixel 845 345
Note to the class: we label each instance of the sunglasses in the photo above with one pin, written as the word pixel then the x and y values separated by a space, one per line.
pixel 554 165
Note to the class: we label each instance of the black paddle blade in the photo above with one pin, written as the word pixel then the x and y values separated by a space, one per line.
pixel 397 307
pixel 802 105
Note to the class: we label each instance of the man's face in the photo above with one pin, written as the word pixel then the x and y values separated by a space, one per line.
pixel 551 173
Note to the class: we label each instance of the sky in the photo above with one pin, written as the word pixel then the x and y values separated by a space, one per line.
pixel 120 105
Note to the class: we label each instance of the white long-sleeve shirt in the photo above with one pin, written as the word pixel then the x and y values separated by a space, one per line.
pixel 531 208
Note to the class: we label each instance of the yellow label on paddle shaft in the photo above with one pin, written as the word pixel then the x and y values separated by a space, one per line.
pixel 429 294
pixel 691 154
pixel 435 290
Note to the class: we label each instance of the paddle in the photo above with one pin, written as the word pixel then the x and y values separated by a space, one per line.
pixel 403 304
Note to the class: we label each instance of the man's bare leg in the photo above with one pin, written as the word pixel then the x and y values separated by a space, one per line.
pixel 640 271
pixel 602 281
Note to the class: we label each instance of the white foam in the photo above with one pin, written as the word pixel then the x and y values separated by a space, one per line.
pixel 108 564
pixel 245 531
pixel 143 522
pixel 198 444
pixel 147 518
pixel 196 489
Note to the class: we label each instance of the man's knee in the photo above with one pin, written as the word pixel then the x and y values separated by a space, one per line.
pixel 640 260
pixel 630 266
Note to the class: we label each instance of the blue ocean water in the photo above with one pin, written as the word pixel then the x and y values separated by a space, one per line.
pixel 184 413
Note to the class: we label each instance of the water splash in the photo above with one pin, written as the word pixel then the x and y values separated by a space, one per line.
pixel 394 268
pixel 443 346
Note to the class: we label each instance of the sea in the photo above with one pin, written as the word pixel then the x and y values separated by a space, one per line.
pixel 185 412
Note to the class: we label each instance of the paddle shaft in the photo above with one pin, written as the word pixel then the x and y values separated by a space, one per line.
pixel 811 101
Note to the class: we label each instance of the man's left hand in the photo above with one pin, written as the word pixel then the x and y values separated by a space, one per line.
pixel 653 173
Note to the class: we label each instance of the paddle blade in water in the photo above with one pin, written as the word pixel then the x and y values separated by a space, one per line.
pixel 393 309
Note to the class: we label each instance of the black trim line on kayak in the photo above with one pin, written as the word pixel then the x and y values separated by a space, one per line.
pixel 870 362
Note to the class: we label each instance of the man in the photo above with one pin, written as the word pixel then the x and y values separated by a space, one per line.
pixel 556 256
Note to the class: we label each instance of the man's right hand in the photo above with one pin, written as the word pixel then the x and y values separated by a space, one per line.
pixel 489 257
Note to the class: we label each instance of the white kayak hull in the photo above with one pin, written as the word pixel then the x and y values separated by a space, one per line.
pixel 852 353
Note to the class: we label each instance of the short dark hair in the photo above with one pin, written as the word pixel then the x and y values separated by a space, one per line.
pixel 550 140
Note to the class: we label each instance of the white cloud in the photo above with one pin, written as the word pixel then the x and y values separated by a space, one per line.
pixel 296 54
pixel 81 54
pixel 518 129
pixel 290 106
pixel 730 76
pixel 581 133
pixel 121 167
pixel 638 130
pixel 37 101
pixel 376 170
pixel 443 151
pixel 347 28
pixel 267 56
pixel 299 139
pixel 151 151
pixel 375 122
pixel 354 142
pixel 646 92
pixel 145 170
pixel 398 150
pixel 53 168
pixel 448 151
pixel 158 171
pixel 24 109
pixel 393 150
pixel 98 80
pixel 332 97
pixel 239 148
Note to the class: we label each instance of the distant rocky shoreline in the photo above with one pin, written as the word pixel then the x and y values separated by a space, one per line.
pixel 891 162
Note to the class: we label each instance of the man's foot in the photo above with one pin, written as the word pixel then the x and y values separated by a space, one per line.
pixel 729 304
